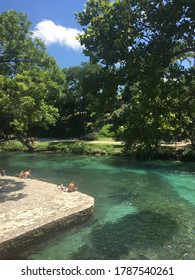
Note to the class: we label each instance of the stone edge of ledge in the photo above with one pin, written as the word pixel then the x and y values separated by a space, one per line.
pixel 40 233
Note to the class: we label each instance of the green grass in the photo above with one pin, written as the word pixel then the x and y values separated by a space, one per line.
pixel 85 148
pixel 12 145
pixel 78 148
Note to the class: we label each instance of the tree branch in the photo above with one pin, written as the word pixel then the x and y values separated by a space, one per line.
pixel 184 51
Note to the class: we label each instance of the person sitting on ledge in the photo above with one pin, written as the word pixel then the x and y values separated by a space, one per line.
pixel 71 187
pixel 26 174
pixel 19 175
pixel 62 187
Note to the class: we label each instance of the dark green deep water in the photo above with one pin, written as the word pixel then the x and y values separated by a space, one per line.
pixel 143 209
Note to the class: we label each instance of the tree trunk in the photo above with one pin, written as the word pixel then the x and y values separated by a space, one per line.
pixel 25 143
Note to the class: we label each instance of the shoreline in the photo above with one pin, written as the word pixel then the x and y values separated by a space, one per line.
pixel 181 151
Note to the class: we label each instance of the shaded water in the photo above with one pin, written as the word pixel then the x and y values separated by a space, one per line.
pixel 143 210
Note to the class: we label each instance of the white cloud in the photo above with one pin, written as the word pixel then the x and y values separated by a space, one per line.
pixel 51 33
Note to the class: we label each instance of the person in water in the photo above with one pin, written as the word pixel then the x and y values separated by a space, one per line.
pixel 71 187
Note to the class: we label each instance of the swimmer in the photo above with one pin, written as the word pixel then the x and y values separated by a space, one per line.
pixel 71 187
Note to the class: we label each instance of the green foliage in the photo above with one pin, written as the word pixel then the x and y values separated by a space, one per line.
pixel 144 43
pixel 12 145
pixel 19 51
pixel 188 155
pixel 31 83
pixel 106 132
pixel 91 94
pixel 77 148
pixel 83 148
pixel 140 90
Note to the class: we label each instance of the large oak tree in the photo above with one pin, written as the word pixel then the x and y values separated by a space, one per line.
pixel 147 44
pixel 31 83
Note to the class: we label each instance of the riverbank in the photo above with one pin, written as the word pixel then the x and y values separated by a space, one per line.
pixel 67 146
pixel 166 151
pixel 31 210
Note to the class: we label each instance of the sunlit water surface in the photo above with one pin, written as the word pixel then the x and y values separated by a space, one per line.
pixel 143 209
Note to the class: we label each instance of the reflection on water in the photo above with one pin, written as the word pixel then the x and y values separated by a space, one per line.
pixel 143 210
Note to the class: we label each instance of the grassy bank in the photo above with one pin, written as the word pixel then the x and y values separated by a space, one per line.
pixel 88 148
pixel 79 148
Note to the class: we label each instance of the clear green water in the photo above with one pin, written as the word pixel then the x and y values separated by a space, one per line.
pixel 143 210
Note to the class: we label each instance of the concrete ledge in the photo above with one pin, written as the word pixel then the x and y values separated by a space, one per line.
pixel 32 209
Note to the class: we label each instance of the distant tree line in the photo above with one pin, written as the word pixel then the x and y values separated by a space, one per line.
pixel 135 82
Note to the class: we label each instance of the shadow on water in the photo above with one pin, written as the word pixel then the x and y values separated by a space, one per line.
pixel 144 218
pixel 142 230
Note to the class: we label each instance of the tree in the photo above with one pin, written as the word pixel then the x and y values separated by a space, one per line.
pixel 145 43
pixel 31 83
pixel 90 95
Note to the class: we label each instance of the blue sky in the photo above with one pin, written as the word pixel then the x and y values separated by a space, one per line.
pixel 54 22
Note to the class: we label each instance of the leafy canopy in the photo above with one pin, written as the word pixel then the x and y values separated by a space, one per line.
pixel 145 43
pixel 31 83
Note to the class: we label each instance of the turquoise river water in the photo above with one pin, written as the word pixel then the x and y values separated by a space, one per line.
pixel 143 209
